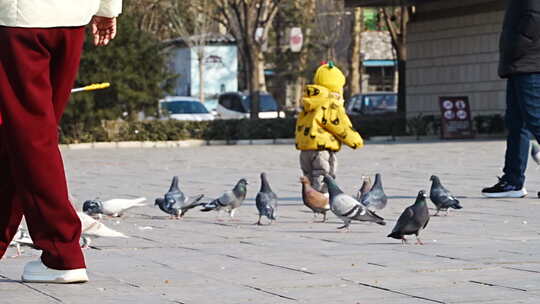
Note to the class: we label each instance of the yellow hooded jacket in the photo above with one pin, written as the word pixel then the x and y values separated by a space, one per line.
pixel 323 123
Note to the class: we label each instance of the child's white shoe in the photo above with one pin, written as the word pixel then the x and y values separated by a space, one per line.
pixel 37 272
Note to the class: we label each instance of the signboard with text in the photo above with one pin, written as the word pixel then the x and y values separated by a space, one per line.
pixel 455 117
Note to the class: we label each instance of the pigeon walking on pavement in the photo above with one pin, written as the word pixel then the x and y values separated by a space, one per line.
pixel 113 207
pixel 535 153
pixel 441 197
pixel 175 203
pixel 93 228
pixel 366 186
pixel 313 199
pixel 347 208
pixel 21 239
pixel 375 198
pixel 230 200
pixel 413 220
pixel 266 201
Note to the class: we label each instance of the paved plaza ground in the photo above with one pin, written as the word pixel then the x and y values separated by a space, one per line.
pixel 488 252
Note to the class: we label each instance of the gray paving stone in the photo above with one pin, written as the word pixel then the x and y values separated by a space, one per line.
pixel 484 253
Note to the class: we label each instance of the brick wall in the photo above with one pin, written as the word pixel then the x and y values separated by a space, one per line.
pixel 456 54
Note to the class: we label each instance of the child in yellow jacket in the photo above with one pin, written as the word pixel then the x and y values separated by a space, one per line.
pixel 323 126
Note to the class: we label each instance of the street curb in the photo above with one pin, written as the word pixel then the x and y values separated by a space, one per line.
pixel 176 143
pixel 248 142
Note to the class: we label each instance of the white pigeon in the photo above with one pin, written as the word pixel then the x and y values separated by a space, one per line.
pixel 92 228
pixel 113 207
pixel 21 239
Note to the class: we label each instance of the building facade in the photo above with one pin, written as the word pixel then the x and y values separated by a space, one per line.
pixel 452 51
pixel 220 64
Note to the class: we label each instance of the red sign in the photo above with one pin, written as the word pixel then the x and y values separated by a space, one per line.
pixel 296 39
pixel 456 117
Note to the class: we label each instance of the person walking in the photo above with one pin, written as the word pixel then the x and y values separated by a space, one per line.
pixel 40 48
pixel 323 126
pixel 520 65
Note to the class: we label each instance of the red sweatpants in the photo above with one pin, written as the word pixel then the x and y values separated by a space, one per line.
pixel 38 67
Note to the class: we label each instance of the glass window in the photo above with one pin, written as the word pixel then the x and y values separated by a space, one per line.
pixel 267 103
pixel 380 103
pixel 184 107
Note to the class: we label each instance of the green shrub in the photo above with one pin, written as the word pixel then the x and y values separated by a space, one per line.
pixel 163 130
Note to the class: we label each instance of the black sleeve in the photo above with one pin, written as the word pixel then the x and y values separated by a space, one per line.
pixel 529 21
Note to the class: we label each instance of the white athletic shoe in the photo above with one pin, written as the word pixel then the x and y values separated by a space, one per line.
pixel 37 272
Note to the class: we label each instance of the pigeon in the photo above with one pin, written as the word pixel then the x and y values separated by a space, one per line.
pixel 229 200
pixel 21 239
pixel 535 152
pixel 313 199
pixel 114 207
pixel 92 228
pixel 375 198
pixel 175 202
pixel 413 220
pixel 266 201
pixel 347 208
pixel 441 197
pixel 366 185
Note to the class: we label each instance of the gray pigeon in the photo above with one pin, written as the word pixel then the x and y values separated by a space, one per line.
pixel 347 208
pixel 535 152
pixel 366 186
pixel 266 201
pixel 441 197
pixel 175 202
pixel 375 198
pixel 229 200
pixel 413 220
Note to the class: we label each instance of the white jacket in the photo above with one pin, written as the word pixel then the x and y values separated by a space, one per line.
pixel 55 13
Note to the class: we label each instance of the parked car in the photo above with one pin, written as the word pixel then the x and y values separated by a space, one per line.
pixel 372 103
pixel 235 105
pixel 185 108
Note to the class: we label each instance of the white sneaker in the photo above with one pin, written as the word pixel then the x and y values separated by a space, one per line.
pixel 37 272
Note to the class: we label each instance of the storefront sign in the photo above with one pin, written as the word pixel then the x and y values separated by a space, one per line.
pixel 456 117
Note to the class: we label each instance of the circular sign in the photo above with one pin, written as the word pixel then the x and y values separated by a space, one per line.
pixel 296 39
pixel 460 104
pixel 447 104
pixel 461 114
pixel 449 115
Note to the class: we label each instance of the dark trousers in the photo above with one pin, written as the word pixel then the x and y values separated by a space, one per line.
pixel 37 71
pixel 522 119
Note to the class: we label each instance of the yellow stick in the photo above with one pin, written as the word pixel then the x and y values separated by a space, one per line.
pixel 92 87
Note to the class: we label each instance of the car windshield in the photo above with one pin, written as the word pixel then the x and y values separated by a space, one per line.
pixel 380 102
pixel 184 107
pixel 266 103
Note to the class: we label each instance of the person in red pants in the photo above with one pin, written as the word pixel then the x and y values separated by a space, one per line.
pixel 41 44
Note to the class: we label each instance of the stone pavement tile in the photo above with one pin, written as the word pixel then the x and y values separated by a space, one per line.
pixel 199 260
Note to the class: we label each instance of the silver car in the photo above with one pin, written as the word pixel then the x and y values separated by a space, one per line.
pixel 184 108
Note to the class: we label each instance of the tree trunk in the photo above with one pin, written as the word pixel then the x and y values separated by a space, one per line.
pixel 399 41
pixel 402 86
pixel 200 56
pixel 260 71
pixel 355 58
pixel 254 83
pixel 402 61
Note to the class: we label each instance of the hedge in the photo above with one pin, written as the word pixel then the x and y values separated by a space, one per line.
pixel 165 130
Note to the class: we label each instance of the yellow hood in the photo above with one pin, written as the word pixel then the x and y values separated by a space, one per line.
pixel 330 76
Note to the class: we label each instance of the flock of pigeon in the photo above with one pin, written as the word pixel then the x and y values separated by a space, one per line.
pixel 362 207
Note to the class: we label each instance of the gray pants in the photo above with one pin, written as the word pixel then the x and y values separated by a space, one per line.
pixel 315 164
